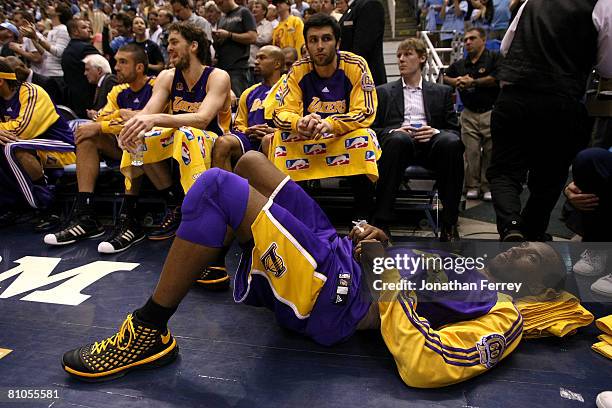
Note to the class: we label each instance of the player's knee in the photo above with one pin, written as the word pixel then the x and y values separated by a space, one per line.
pixel 224 146
pixel 249 162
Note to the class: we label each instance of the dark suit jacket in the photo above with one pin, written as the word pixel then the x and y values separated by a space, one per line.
pixel 79 93
pixel 363 28
pixel 437 100
pixel 100 96
pixel 49 85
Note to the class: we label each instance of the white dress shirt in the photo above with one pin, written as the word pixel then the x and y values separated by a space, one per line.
pixel 414 107
pixel 602 19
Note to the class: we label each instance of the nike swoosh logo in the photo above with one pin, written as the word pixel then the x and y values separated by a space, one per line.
pixel 165 339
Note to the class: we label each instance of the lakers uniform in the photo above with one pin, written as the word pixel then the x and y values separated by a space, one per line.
pixel 32 117
pixel 347 101
pixel 190 147
pixel 441 335
pixel 123 97
pixel 289 33
pixel 251 111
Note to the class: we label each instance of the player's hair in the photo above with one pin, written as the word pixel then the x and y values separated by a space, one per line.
pixel 191 32
pixel 415 44
pixel 322 20
pixel 481 32
pixel 139 55
pixel 98 61
pixel 276 53
pixel 6 68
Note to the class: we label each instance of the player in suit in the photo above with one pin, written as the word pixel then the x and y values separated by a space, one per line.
pixel 363 27
pixel 416 123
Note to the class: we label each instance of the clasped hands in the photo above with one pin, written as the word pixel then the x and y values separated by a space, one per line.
pixel 313 127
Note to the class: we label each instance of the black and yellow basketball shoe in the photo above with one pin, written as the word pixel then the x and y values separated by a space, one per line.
pixel 136 345
pixel 214 278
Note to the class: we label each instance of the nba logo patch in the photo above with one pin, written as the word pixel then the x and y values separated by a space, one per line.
pixel 318 148
pixel 185 154
pixel 273 263
pixel 289 137
pixel 297 164
pixel 153 133
pixel 339 160
pixel 166 141
pixel 491 349
pixel 370 156
pixel 280 151
pixel 187 132
pixel 202 146
pixel 356 142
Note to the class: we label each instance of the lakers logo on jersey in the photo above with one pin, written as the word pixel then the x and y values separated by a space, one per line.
pixel 319 106
pixel 257 104
pixel 491 349
pixel 181 105
pixel 273 262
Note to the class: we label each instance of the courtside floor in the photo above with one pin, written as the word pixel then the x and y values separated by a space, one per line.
pixel 234 355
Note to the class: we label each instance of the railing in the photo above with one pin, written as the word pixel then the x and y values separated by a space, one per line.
pixel 434 65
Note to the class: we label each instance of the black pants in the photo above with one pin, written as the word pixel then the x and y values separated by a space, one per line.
pixel 592 172
pixel 239 79
pixel 442 154
pixel 537 135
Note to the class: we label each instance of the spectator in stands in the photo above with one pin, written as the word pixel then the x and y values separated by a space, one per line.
pixel 79 94
pixel 25 74
pixel 501 19
pixel 315 5
pixel 540 106
pixel 123 26
pixel 417 124
pixel 165 19
pixel 235 33
pixel 291 56
pixel 272 16
pixel 329 7
pixel 342 6
pixel 250 120
pixel 453 15
pixel 309 13
pixel 289 32
pixel 154 30
pixel 474 77
pixel 431 10
pixel 264 34
pixel 363 28
pixel 8 34
pixel 27 113
pixel 56 42
pixel 154 55
pixel 324 111
pixel 27 50
pixel 482 15
pixel 98 139
pixel 297 8
pixel 212 13
pixel 98 72
pixel 183 12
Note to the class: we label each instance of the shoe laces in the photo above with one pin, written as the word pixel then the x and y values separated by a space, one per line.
pixel 117 339
pixel 591 257
pixel 122 226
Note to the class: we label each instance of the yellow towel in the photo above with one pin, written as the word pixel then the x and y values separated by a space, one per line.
pixel 190 147
pixel 604 348
pixel 605 324
pixel 552 314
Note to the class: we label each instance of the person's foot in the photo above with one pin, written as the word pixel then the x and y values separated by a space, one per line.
pixel 83 226
pixel 512 236
pixel 125 234
pixel 46 223
pixel 591 263
pixel 604 399
pixel 169 225
pixel 472 194
pixel 214 278
pixel 136 345
pixel 449 233
pixel 603 286
pixel 487 196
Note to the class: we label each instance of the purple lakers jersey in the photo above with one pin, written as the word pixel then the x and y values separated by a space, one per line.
pixel 254 103
pixel 128 99
pixel 185 100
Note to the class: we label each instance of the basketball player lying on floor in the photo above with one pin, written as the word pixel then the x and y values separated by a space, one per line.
pixel 295 263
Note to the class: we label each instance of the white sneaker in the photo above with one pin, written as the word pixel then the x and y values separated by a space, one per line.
pixel 604 399
pixel 472 195
pixel 603 286
pixel 591 263
pixel 487 196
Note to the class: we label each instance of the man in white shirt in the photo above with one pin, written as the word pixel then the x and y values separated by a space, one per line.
pixel 298 8
pixel 416 124
pixel 154 30
pixel 259 10
pixel 183 12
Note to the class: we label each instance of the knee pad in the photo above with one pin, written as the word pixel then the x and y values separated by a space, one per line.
pixel 217 199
